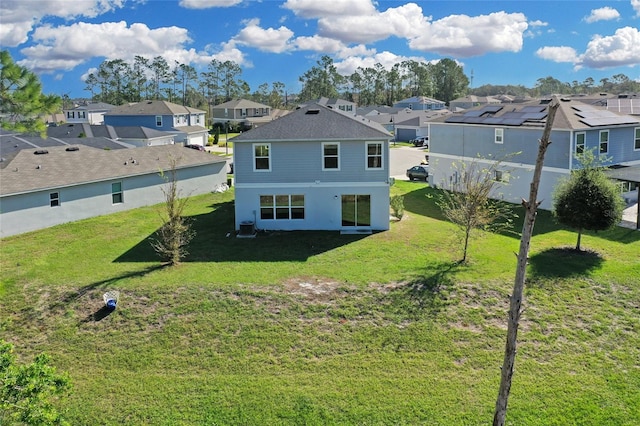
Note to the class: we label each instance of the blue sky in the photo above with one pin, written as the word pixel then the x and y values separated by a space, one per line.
pixel 501 42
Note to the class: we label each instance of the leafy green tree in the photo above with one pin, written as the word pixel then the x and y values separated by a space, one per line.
pixel 450 82
pixel 468 204
pixel 22 102
pixel 28 392
pixel 322 80
pixel 588 199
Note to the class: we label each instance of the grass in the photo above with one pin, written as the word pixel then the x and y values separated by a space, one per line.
pixel 318 328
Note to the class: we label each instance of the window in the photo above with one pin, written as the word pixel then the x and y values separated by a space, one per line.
pixel 158 121
pixel 636 143
pixel 82 114
pixel 500 176
pixel 261 160
pixel 580 142
pixel 499 135
pixel 54 199
pixel 604 141
pixel 116 193
pixel 374 155
pixel 330 156
pixel 70 114
pixel 281 207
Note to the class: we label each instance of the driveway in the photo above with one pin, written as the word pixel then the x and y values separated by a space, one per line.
pixel 403 158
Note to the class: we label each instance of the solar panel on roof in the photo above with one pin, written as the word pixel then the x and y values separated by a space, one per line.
pixel 474 113
pixel 491 108
pixel 534 115
pixel 454 119
pixel 533 108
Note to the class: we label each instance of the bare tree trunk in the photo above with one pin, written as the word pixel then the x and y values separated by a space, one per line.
pixel 515 303
pixel 579 240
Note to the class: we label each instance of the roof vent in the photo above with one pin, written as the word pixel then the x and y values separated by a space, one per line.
pixel 312 111
pixel 41 152
pixel 72 148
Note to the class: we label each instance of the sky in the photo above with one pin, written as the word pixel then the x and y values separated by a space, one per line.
pixel 496 42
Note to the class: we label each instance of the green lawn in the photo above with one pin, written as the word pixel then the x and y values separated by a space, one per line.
pixel 315 328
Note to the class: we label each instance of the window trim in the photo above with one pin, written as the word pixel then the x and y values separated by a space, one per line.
pixel 600 142
pixel 498 135
pixel 158 121
pixel 268 156
pixel 324 156
pixel 273 207
pixel 636 139
pixel 115 193
pixel 583 144
pixel 368 156
pixel 54 199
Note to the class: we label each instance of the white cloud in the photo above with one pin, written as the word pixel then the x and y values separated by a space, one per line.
pixel 319 44
pixel 602 14
pixel 269 40
pixel 558 54
pixel 387 59
pixel 207 4
pixel 622 48
pixel 323 8
pixel 465 36
pixel 635 4
pixel 19 17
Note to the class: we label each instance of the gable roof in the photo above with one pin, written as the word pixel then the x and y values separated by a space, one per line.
pixel 67 166
pixel 92 106
pixel 153 108
pixel 419 100
pixel 240 104
pixel 316 122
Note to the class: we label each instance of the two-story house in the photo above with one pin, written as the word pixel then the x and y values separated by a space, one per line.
pixel 420 103
pixel 242 111
pixel 186 123
pixel 313 169
pixel 511 133
pixel 88 112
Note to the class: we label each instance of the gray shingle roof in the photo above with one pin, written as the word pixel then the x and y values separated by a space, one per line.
pixel 61 167
pixel 240 103
pixel 316 122
pixel 152 108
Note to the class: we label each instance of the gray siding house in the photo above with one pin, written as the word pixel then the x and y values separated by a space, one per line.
pixel 511 133
pixel 58 184
pixel 243 111
pixel 314 169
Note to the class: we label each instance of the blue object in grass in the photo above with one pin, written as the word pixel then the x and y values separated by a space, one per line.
pixel 111 304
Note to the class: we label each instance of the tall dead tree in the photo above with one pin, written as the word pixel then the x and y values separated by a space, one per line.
pixel 515 303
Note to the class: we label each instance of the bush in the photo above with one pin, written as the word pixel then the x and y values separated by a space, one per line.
pixel 397 205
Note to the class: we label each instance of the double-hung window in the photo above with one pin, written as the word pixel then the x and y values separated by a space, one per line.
pixel 580 143
pixel 374 155
pixel 116 193
pixel 604 141
pixel 636 140
pixel 282 207
pixel 54 199
pixel 158 121
pixel 262 157
pixel 330 156
pixel 499 135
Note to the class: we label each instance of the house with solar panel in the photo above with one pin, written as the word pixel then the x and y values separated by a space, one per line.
pixel 510 132
pixel 316 168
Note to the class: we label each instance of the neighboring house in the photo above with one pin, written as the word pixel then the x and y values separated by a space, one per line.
pixel 242 111
pixel 511 132
pixel 133 136
pixel 340 104
pixel 472 101
pixel 313 169
pixel 48 186
pixel 88 112
pixel 420 103
pixel 625 105
pixel 186 123
pixel 410 124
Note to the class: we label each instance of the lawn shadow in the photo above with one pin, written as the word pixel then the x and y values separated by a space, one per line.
pixel 215 241
pixel 98 315
pixel 563 262
pixel 428 293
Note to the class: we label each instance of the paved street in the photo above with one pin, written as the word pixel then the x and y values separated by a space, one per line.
pixel 403 158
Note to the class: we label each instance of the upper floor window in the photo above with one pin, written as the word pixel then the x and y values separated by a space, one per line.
pixel 374 155
pixel 580 142
pixel 70 114
pixel 330 156
pixel 636 140
pixel 499 135
pixel 604 141
pixel 261 157
pixel 116 193
pixel 54 199
pixel 158 121
pixel 82 114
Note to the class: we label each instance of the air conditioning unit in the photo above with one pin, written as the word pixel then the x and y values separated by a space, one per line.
pixel 247 229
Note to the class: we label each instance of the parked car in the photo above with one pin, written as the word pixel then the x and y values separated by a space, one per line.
pixel 420 172
pixel 195 146
pixel 421 141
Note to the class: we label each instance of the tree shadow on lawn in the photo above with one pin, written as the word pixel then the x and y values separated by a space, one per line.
pixel 563 263
pixel 215 241
pixel 428 294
